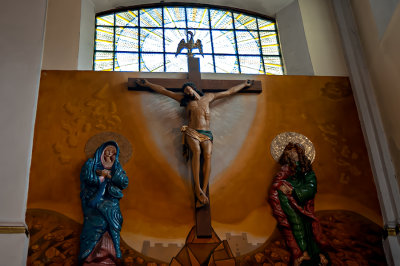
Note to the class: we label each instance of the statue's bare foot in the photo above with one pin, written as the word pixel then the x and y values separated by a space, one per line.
pixel 201 197
pixel 324 260
pixel 299 260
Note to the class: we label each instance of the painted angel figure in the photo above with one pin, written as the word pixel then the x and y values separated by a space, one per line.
pixel 292 200
pixel 102 181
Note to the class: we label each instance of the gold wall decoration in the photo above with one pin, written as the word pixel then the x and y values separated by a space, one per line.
pixel 279 143
pixel 337 90
pixel 14 230
pixel 82 116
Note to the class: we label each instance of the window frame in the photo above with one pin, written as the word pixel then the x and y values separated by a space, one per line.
pixel 213 54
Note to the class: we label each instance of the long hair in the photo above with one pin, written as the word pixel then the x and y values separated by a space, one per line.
pixel 304 162
pixel 187 98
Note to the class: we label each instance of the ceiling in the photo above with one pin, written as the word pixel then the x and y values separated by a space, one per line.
pixel 265 7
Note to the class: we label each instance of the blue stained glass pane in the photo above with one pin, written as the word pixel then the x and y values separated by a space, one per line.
pixel 226 64
pixel 104 38
pixel 174 17
pixel 269 43
pixel 127 18
pixel 151 40
pixel 206 63
pixel 204 37
pixel 176 64
pixel 172 39
pixel 151 17
pixel 251 65
pixel 273 65
pixel 247 42
pixel 126 62
pixel 197 17
pixel 224 42
pixel 120 33
pixel 152 62
pixel 266 24
pixel 221 19
pixel 103 61
pixel 107 20
pixel 126 39
pixel 245 22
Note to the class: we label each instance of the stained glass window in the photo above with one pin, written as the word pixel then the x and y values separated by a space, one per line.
pixel 146 40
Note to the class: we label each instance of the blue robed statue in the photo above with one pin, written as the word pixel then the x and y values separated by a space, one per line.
pixel 102 181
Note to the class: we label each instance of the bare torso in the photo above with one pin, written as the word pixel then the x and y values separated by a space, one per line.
pixel 199 113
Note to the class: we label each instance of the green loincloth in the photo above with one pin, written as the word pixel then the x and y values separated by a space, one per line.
pixel 200 135
pixel 208 133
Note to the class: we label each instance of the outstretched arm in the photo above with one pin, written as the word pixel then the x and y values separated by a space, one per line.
pixel 159 89
pixel 233 90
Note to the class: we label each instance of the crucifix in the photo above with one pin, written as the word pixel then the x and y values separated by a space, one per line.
pixel 196 94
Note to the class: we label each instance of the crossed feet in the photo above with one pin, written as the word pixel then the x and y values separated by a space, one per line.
pixel 201 197
pixel 305 256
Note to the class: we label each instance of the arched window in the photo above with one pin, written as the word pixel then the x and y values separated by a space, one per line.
pixel 146 40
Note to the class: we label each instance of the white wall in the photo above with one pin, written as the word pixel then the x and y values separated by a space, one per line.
pixel 61 46
pixel 21 46
pixel 13 249
pixel 269 8
pixel 294 47
pixel 383 11
pixel 307 46
pixel 323 38
pixel 86 35
pixel 383 59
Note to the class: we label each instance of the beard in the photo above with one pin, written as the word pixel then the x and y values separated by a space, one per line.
pixel 189 98
pixel 186 99
pixel 292 164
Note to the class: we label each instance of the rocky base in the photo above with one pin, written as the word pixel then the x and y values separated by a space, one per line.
pixel 204 251
pixel 54 241
pixel 351 240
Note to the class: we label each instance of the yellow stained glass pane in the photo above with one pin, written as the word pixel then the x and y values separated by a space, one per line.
pixel 174 17
pixel 128 18
pixel 151 17
pixel 273 65
pixel 104 38
pixel 245 22
pixel 126 39
pixel 106 20
pixel 264 24
pixel 197 18
pixel 247 42
pixel 221 19
pixel 103 61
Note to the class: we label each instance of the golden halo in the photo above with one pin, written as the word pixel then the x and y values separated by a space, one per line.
pixel 279 143
pixel 125 147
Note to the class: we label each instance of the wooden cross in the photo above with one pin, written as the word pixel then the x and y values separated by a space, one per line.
pixel 203 215
pixel 194 75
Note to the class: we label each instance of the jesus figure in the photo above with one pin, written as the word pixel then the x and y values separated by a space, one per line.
pixel 197 134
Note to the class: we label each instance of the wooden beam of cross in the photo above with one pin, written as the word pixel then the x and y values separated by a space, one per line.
pixel 194 75
pixel 203 214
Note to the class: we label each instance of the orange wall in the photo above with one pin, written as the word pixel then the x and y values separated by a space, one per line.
pixel 75 105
